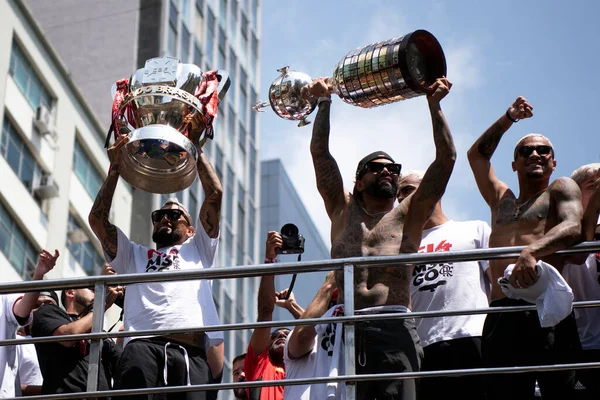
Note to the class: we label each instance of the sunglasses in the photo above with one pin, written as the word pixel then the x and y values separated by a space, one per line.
pixel 377 167
pixel 172 215
pixel 526 151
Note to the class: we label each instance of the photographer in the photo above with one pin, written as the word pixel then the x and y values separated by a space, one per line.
pixel 64 365
pixel 264 360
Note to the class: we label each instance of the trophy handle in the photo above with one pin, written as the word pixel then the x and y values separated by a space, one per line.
pixel 224 83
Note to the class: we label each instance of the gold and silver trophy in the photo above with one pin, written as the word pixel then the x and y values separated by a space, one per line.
pixel 167 110
pixel 380 73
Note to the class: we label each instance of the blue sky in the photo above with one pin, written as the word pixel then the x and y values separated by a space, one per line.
pixel 546 51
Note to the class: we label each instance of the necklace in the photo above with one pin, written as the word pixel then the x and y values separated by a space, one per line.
pixel 519 209
pixel 373 215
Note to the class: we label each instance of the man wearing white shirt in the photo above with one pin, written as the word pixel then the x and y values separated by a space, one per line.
pixel 168 360
pixel 449 342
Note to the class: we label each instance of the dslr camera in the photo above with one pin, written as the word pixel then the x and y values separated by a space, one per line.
pixel 293 241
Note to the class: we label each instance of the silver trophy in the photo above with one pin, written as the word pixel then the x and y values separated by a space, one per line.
pixel 162 111
pixel 381 73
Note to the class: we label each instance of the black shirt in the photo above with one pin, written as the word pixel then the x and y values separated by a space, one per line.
pixel 65 369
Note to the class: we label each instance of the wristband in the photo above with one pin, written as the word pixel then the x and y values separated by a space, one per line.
pixel 511 118
pixel 270 260
pixel 322 99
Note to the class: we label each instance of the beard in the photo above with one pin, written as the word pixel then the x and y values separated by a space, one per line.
pixel 82 301
pixel 164 237
pixel 239 393
pixel 381 190
pixel 276 355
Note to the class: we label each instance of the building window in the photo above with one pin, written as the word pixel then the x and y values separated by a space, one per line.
pixel 243 96
pixel 193 202
pixel 240 225
pixel 210 37
pixel 15 246
pixel 252 172
pixel 85 171
pixel 233 22
pixel 223 13
pixel 221 62
pixel 229 196
pixel 27 80
pixel 81 248
pixel 251 236
pixel 232 75
pixel 172 43
pixel 228 258
pixel 197 55
pixel 253 100
pixel 173 14
pixel 254 5
pixel 185 45
pixel 244 37
pixel 200 6
pixel 18 156
pixel 219 162
pixel 185 12
pixel 254 53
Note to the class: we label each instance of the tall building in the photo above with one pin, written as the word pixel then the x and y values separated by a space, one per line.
pixel 52 159
pixel 103 41
pixel 280 205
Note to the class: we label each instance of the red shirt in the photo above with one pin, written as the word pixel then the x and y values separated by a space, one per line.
pixel 259 368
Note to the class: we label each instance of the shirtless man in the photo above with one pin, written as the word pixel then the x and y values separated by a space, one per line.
pixel 545 218
pixel 365 223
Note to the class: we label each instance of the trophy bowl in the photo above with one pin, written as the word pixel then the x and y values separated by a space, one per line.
pixel 286 99
pixel 160 113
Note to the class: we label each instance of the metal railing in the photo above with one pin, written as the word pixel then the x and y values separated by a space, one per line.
pixel 349 319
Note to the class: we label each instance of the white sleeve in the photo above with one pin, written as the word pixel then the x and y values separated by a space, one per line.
pixel 124 262
pixel 206 245
pixel 8 302
pixel 483 237
pixel 29 368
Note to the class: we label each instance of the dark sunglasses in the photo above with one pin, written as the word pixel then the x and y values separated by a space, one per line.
pixel 526 151
pixel 377 167
pixel 172 215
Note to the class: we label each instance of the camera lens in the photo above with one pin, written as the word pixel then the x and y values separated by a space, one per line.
pixel 289 230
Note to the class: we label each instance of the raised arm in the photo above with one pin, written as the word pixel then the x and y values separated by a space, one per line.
pixel 105 231
pixel 566 197
pixel 266 297
pixel 480 154
pixel 210 212
pixel 23 307
pixel 289 303
pixel 327 172
pixel 303 336
pixel 434 182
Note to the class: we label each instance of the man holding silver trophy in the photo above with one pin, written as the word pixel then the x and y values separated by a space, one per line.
pixel 365 223
pixel 161 117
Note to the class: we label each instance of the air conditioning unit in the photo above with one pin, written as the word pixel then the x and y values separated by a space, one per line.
pixel 44 121
pixel 47 188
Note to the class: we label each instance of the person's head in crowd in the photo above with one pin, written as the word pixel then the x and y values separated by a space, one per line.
pixel 172 224
pixel 587 177
pixel 534 158
pixel 77 301
pixel 409 182
pixel 237 371
pixel 377 176
pixel 276 346
pixel 46 297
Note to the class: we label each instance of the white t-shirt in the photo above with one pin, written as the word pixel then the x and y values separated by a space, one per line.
pixel 28 365
pixel 167 305
pixel 8 354
pixel 451 285
pixel 325 359
pixel 583 279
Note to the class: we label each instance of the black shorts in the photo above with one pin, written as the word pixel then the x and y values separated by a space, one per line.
pixel 517 339
pixel 387 346
pixel 142 366
pixel 462 353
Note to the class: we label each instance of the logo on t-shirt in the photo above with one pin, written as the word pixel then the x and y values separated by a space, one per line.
pixel 328 340
pixel 428 277
pixel 158 262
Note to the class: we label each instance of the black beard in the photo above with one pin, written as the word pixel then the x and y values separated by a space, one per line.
pixel 163 237
pixel 82 301
pixel 239 393
pixel 275 356
pixel 380 191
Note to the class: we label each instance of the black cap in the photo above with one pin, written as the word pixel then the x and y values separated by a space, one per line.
pixel 370 157
pixel 50 293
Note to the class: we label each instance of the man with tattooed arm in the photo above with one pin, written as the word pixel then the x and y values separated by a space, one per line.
pixel 365 223
pixel 170 360
pixel 544 217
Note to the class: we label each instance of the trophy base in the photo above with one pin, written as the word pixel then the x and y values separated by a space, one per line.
pixel 159 159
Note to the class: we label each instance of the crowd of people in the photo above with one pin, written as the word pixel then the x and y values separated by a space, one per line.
pixel 387 213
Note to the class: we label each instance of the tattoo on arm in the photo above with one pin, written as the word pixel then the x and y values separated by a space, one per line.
pixel 98 218
pixel 210 212
pixel 488 141
pixel 327 172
